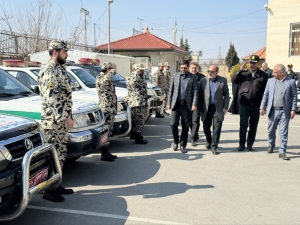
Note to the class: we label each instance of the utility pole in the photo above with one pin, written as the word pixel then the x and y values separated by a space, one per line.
pixel 95 34
pixel 174 33
pixel 182 31
pixel 140 23
pixel 108 45
pixel 86 13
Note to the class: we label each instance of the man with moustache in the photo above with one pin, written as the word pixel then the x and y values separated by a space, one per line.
pixel 182 100
pixel 214 102
pixel 280 104
pixel 252 84
pixel 193 69
pixel 57 119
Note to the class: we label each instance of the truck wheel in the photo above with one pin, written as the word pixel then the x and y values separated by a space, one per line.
pixel 71 160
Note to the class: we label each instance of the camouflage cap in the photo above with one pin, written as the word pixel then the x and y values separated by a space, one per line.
pixel 160 64
pixel 290 65
pixel 55 44
pixel 166 64
pixel 106 65
pixel 139 66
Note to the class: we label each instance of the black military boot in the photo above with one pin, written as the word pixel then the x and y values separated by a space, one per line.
pixel 140 139
pixel 132 134
pixel 159 115
pixel 105 155
pixel 165 113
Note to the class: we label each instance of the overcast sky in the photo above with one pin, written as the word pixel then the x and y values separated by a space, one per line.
pixel 210 25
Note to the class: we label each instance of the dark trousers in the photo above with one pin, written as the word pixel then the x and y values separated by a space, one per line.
pixel 212 118
pixel 249 114
pixel 180 111
pixel 195 124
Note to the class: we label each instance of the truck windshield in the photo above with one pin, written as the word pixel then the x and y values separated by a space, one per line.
pixel 85 77
pixel 36 72
pixel 10 86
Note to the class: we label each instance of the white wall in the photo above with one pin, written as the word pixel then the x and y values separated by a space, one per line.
pixel 282 14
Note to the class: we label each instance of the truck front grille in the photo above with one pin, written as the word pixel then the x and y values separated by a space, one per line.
pixel 95 117
pixel 19 148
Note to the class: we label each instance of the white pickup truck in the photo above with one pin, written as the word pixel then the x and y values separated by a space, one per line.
pixel 89 133
pixel 84 90
pixel 28 165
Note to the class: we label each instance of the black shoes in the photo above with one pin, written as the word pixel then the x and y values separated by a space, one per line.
pixel 241 148
pixel 106 155
pixel 175 147
pixel 270 150
pixel 250 148
pixel 140 139
pixel 208 145
pixel 165 113
pixel 159 115
pixel 283 156
pixel 214 151
pixel 56 195
pixel 132 134
pixel 183 149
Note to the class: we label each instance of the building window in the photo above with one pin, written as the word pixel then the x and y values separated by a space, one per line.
pixel 295 39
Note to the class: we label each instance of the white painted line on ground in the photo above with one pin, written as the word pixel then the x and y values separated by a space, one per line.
pixel 113 216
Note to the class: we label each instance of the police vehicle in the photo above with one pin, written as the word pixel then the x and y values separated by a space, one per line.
pixel 90 131
pixel 28 166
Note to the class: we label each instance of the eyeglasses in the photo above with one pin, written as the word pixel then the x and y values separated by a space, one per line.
pixel 183 68
pixel 211 71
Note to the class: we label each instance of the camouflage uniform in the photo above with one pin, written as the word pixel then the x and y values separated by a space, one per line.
pixel 167 75
pixel 56 93
pixel 137 100
pixel 107 96
pixel 158 80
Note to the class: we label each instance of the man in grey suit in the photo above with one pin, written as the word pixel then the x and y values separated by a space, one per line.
pixel 280 104
pixel 214 95
pixel 182 100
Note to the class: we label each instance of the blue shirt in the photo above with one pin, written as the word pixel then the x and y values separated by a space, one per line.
pixel 182 87
pixel 212 87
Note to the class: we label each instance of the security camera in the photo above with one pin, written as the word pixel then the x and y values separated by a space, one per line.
pixel 266 6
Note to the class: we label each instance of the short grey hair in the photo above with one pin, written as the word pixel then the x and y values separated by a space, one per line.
pixel 264 64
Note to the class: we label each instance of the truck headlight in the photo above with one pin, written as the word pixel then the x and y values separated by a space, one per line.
pixel 4 154
pixel 81 120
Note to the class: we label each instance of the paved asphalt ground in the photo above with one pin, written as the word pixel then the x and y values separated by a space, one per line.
pixel 152 184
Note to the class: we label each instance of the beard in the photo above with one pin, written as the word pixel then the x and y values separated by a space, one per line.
pixel 60 60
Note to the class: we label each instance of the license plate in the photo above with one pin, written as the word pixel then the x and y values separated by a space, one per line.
pixel 104 138
pixel 38 178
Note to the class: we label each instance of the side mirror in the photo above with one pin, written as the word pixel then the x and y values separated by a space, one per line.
pixel 75 85
pixel 36 90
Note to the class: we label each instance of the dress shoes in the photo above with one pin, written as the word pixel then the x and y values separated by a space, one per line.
pixel 283 156
pixel 183 149
pixel 241 148
pixel 250 148
pixel 208 145
pixel 175 147
pixel 193 143
pixel 214 151
pixel 270 150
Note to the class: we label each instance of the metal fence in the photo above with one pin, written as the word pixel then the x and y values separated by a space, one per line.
pixel 15 45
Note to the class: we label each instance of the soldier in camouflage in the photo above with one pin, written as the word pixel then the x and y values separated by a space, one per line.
pixel 167 75
pixel 57 120
pixel 137 100
pixel 158 80
pixel 107 102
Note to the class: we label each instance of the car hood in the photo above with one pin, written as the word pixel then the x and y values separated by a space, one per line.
pixel 92 96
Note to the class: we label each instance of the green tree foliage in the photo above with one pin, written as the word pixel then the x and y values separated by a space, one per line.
pixel 186 45
pixel 231 58
pixel 181 44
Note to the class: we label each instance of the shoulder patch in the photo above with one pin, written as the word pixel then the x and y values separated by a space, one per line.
pixel 50 86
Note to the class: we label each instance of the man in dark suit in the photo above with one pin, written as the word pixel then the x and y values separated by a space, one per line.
pixel 182 100
pixel 280 104
pixel 252 84
pixel 214 96
pixel 193 69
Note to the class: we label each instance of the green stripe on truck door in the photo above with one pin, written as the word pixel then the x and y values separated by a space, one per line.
pixel 32 115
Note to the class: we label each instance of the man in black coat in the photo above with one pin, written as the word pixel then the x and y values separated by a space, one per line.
pixel 182 100
pixel 252 84
pixel 193 69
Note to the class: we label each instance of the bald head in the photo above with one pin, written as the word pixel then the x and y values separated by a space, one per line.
pixel 279 71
